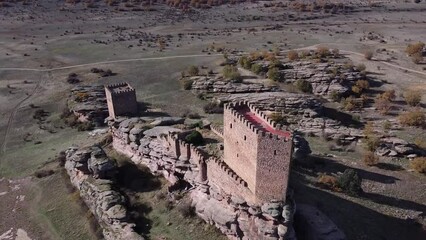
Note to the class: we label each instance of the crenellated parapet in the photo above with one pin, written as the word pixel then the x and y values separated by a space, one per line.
pixel 217 130
pixel 280 132
pixel 120 88
pixel 227 171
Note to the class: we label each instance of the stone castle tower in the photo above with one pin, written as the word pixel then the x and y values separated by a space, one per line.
pixel 257 150
pixel 121 99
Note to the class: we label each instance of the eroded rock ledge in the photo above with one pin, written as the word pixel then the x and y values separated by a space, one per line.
pixel 92 173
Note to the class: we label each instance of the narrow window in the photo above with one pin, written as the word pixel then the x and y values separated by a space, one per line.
pixel 237 154
pixel 230 125
pixel 245 138
pixel 275 152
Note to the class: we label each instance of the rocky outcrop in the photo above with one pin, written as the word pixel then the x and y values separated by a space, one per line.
pixel 396 147
pixel 88 103
pixel 92 173
pixel 206 84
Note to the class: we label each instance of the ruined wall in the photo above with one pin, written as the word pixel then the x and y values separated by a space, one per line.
pixel 273 167
pixel 240 141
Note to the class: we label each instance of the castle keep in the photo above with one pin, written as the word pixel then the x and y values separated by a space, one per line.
pixel 121 99
pixel 257 150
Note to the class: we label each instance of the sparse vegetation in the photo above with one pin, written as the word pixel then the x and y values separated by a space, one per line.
pixel 368 55
pixel 193 71
pixel 360 86
pixel 304 86
pixel 418 164
pixel 370 159
pixel 414 117
pixel 293 55
pixel 231 72
pixel 187 84
pixel 412 97
pixel 278 118
pixel 274 74
pixel 195 138
pixel 212 108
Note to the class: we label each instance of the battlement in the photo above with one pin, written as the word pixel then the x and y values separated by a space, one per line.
pixel 120 88
pixel 217 130
pixel 182 148
pixel 227 170
pixel 257 121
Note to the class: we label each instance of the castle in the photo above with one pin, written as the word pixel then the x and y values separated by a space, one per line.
pixel 257 150
pixel 121 99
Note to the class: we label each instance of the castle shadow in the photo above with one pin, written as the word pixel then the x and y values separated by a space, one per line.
pixel 136 179
pixel 355 220
pixel 396 202
pixel 329 166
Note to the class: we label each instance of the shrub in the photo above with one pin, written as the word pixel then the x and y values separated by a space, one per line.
pixel 387 125
pixel 335 52
pixel 327 181
pixel 388 95
pixel 278 118
pixel 212 108
pixel 274 74
pixel 231 72
pixel 414 48
pixel 81 97
pixel 193 71
pixel 418 164
pixel 195 138
pixel 322 52
pixel 372 143
pixel 383 105
pixel 368 55
pixel 293 55
pixel 412 97
pixel 304 86
pixel 245 62
pixel 43 173
pixel 360 86
pixel 86 126
pixel 335 96
pixel 414 117
pixel 370 159
pixel 361 67
pixel 187 84
pixel 350 103
pixel 256 68
pixel 350 182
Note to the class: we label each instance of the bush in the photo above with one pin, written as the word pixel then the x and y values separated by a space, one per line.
pixel 350 103
pixel 412 97
pixel 388 95
pixel 86 126
pixel 278 118
pixel 370 159
pixel 322 52
pixel 415 48
pixel 212 108
pixel 368 55
pixel 193 71
pixel 256 68
pixel 414 117
pixel 383 105
pixel 187 84
pixel 43 173
pixel 195 138
pixel 293 55
pixel 336 52
pixel 245 62
pixel 417 58
pixel 274 74
pixel 360 86
pixel 350 182
pixel 418 164
pixel 328 182
pixel 335 96
pixel 361 67
pixel 231 72
pixel 304 86
pixel 387 126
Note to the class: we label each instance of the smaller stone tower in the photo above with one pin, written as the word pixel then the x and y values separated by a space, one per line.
pixel 121 99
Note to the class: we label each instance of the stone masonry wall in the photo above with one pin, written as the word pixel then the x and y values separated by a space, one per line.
pixel 240 147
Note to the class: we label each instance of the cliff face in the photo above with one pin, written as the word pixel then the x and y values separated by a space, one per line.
pixel 92 172
pixel 231 213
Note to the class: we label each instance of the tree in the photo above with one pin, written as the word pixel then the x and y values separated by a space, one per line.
pixel 293 55
pixel 413 97
pixel 193 70
pixel 195 138
pixel 274 74
pixel 368 55
pixel 350 182
pixel 231 72
pixel 304 86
